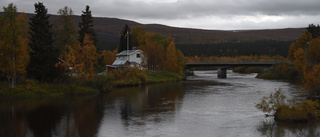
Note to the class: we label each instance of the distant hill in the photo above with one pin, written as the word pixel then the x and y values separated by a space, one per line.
pixel 108 33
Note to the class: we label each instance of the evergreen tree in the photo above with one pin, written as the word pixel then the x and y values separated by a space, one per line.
pixel 314 30
pixel 43 55
pixel 86 26
pixel 123 39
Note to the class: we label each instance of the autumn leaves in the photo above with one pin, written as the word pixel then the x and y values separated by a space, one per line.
pixel 305 53
pixel 160 51
pixel 14 49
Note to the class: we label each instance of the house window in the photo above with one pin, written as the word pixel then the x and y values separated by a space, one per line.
pixel 138 55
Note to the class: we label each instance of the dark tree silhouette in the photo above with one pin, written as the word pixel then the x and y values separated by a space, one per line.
pixel 123 39
pixel 86 26
pixel 314 30
pixel 43 56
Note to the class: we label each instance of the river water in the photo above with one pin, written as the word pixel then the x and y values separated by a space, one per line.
pixel 202 106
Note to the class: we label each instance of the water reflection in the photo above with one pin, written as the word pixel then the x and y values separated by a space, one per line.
pixel 78 116
pixel 268 127
pixel 137 106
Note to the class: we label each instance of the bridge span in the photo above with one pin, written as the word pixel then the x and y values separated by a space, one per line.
pixel 222 65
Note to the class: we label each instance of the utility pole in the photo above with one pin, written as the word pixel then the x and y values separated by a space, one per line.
pixel 128 58
pixel 306 49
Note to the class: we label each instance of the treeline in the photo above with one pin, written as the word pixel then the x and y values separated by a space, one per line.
pixel 30 49
pixel 261 57
pixel 233 49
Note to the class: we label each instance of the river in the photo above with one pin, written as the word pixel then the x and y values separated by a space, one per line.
pixel 202 106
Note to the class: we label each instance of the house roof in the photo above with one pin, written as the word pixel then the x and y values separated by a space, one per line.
pixel 119 62
pixel 124 53
pixel 123 62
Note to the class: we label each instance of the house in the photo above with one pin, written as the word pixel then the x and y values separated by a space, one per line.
pixel 127 58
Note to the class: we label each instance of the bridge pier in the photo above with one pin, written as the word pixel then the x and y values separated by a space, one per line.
pixel 222 72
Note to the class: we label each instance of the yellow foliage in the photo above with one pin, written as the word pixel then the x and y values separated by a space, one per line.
pixel 314 51
pixel 300 43
pixel 311 78
pixel 80 61
pixel 14 41
pixel 299 61
pixel 171 58
pixel 108 57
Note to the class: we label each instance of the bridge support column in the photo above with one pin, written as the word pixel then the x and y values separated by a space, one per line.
pixel 222 73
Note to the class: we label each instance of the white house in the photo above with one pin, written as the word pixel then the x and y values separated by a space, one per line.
pixel 127 58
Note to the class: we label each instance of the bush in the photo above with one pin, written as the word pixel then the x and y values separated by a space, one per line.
pixel 275 106
pixel 247 70
pixel 272 103
pixel 280 71
pixel 291 114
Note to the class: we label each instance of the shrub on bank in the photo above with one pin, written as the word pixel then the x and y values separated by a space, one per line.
pixel 280 71
pixel 275 105
pixel 246 70
pixel 37 89
pixel 162 77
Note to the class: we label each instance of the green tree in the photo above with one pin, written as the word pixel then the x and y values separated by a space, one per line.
pixel 13 44
pixel 123 39
pixel 43 56
pixel 314 30
pixel 181 62
pixel 86 26
pixel 67 33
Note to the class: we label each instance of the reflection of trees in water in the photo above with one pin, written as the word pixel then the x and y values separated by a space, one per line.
pixel 138 104
pixel 270 128
pixel 79 116
pixel 12 123
pixel 42 120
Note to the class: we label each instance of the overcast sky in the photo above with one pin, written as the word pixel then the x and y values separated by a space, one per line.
pixel 203 14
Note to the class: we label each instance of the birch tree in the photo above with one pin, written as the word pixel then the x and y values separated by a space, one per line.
pixel 13 44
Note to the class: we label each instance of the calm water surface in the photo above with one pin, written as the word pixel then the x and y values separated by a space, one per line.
pixel 201 106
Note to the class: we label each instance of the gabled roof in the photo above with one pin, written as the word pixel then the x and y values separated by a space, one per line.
pixel 124 53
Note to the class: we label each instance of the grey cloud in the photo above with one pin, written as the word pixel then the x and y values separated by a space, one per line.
pixel 181 10
pixel 189 9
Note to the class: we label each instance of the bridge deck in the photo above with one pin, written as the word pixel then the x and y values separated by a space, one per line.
pixel 233 63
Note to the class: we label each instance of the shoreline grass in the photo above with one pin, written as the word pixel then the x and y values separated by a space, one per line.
pixel 94 86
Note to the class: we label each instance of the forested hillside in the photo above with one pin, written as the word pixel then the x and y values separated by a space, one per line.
pixel 233 49
pixel 200 42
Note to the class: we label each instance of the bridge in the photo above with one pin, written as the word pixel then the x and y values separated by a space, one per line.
pixel 222 65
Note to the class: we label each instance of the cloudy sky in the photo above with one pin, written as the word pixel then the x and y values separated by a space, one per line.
pixel 203 14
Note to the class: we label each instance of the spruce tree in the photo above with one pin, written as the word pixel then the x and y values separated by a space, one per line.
pixel 86 26
pixel 123 39
pixel 314 30
pixel 43 56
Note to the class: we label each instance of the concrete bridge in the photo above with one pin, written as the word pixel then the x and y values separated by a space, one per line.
pixel 222 65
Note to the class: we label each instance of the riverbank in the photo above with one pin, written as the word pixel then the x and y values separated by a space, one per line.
pixel 94 86
pixel 280 71
pixel 246 70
